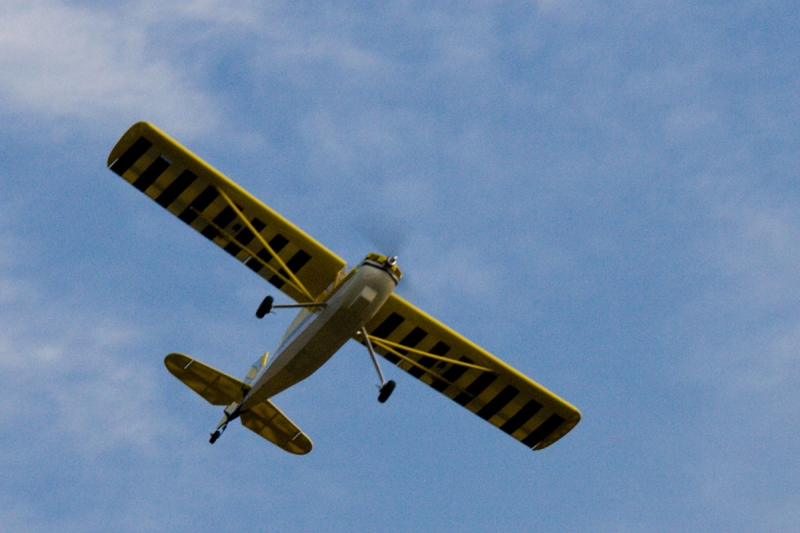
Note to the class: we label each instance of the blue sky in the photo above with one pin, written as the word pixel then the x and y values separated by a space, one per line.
pixel 602 194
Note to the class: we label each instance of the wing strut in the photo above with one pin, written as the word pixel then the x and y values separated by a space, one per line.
pixel 386 387
pixel 293 281
pixel 393 347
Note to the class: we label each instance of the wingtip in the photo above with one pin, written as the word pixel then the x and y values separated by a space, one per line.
pixel 125 140
pixel 559 433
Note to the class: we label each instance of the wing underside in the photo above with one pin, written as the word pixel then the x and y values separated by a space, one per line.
pixel 223 212
pixel 499 394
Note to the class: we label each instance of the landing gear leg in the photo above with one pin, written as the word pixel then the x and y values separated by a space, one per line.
pixel 268 304
pixel 386 388
pixel 230 413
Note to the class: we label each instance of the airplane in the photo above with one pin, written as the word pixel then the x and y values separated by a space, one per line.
pixel 335 305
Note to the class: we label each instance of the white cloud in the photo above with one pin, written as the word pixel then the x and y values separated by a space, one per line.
pixel 65 368
pixel 737 343
pixel 219 12
pixel 457 272
pixel 59 60
pixel 70 374
pixel 744 327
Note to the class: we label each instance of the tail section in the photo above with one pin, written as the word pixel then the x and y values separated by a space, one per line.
pixel 219 388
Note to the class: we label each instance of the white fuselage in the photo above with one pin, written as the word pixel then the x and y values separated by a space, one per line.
pixel 315 335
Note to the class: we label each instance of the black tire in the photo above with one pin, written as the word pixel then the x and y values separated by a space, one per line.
pixel 386 391
pixel 265 307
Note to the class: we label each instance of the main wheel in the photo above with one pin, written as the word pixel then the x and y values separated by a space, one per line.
pixel 386 391
pixel 265 307
pixel 214 436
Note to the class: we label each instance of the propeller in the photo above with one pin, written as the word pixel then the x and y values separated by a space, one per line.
pixel 388 235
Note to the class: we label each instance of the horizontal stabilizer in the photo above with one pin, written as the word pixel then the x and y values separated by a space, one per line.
pixel 269 422
pixel 219 388
pixel 216 387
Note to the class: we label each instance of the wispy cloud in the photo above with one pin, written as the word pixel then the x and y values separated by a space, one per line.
pixel 61 60
pixel 65 368
pixel 754 253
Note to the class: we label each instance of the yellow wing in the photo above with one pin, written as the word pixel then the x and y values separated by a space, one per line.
pixel 223 212
pixel 495 391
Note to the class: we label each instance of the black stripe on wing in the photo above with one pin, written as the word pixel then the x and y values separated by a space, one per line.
pixel 485 393
pixel 175 192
